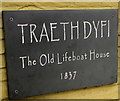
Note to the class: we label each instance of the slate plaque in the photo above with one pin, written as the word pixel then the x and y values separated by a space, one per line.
pixel 50 51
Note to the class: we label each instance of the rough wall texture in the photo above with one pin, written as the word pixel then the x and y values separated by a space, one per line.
pixel 103 92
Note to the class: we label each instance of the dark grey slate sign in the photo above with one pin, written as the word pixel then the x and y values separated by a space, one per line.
pixel 50 51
